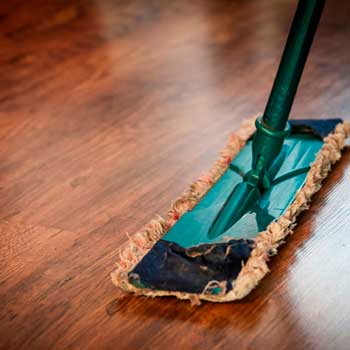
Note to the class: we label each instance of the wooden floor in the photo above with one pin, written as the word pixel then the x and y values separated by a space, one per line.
pixel 108 109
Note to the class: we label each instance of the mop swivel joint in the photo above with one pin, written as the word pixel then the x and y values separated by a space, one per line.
pixel 267 144
pixel 266 148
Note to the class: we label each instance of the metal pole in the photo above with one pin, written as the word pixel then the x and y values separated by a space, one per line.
pixel 293 60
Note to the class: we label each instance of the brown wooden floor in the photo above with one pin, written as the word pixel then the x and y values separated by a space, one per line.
pixel 108 109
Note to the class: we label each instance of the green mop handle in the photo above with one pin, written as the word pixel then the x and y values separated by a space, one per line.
pixel 293 60
pixel 272 128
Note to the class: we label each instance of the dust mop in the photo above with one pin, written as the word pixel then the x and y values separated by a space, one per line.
pixel 218 236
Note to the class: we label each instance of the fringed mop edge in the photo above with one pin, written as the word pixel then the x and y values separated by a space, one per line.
pixel 266 243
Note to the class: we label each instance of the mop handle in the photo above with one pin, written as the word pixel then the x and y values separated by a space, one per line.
pixel 293 60
pixel 273 127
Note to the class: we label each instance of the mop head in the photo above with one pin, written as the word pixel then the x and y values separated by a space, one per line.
pixel 154 264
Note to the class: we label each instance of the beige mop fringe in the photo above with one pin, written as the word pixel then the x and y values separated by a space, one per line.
pixel 266 243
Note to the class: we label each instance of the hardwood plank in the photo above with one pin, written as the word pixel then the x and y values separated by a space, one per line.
pixel 108 109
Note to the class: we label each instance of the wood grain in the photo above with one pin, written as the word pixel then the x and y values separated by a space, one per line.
pixel 108 109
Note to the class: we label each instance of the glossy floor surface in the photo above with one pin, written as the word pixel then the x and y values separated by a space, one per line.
pixel 108 109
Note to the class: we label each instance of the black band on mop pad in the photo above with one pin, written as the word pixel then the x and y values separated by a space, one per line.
pixel 169 266
pixel 319 128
